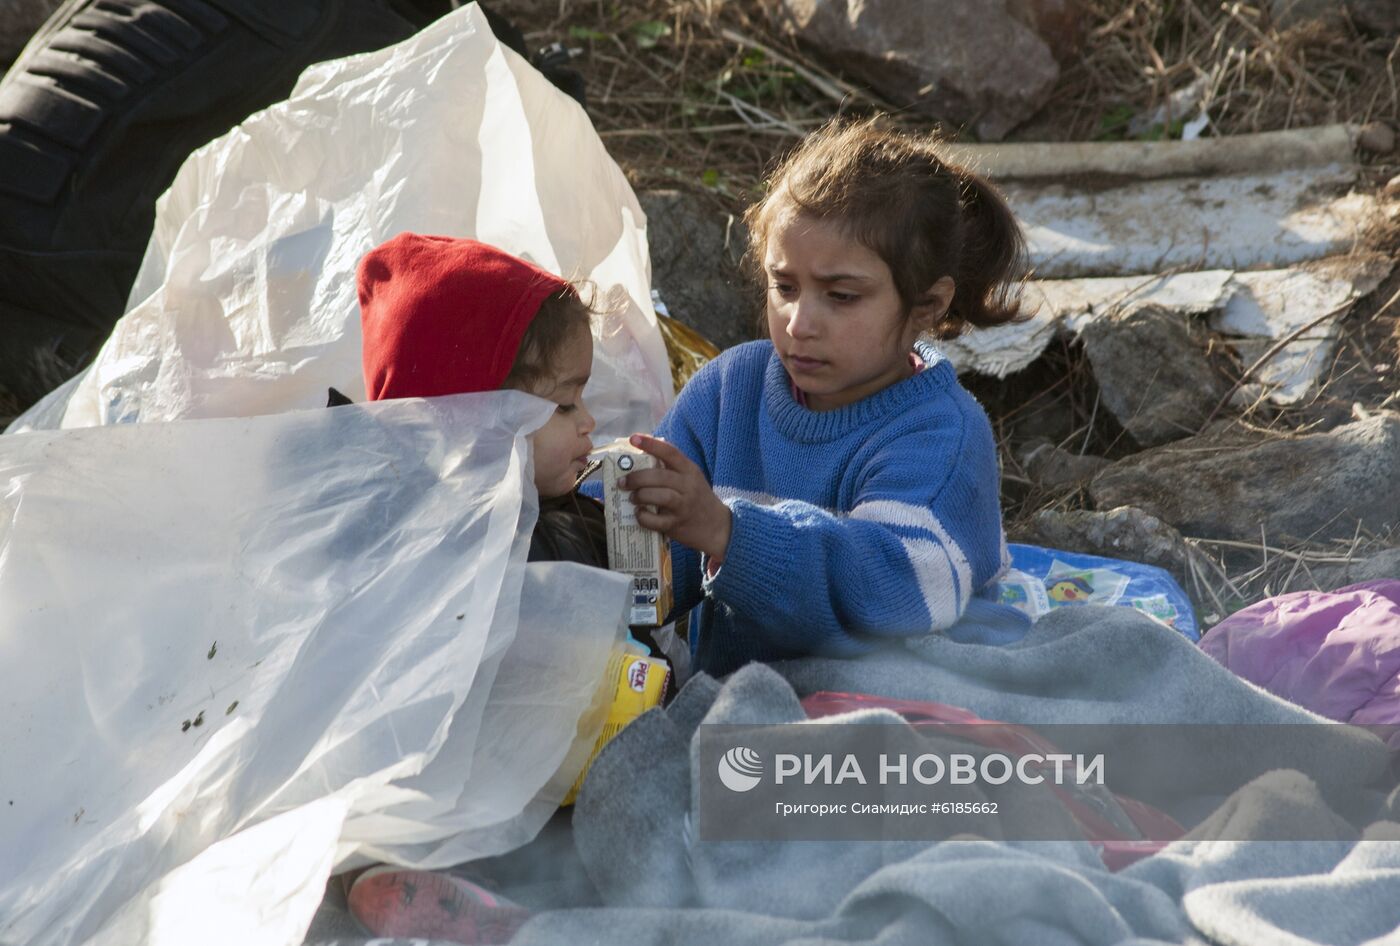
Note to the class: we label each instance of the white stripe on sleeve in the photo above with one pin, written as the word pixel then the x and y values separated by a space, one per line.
pixel 726 493
pixel 934 570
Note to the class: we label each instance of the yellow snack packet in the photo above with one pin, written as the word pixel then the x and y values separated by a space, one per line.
pixel 639 683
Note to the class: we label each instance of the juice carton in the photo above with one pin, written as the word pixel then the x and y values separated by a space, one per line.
pixel 633 550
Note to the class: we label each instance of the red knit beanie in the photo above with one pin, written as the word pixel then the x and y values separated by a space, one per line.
pixel 442 315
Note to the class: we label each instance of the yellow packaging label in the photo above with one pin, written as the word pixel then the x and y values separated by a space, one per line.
pixel 633 550
pixel 639 684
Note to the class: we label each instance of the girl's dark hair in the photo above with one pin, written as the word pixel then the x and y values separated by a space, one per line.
pixel 926 218
pixel 558 317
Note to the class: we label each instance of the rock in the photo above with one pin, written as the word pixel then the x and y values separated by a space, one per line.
pixel 1059 23
pixel 1126 533
pixel 1380 566
pixel 1286 13
pixel 1376 137
pixel 1042 419
pixel 1053 467
pixel 20 20
pixel 1381 17
pixel 1153 376
pixel 962 61
pixel 695 254
pixel 1312 487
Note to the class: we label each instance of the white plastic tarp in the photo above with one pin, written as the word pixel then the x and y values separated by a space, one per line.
pixel 245 302
pixel 1261 232
pixel 321 617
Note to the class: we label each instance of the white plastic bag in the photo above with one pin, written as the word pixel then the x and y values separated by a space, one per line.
pixel 245 302
pixel 207 624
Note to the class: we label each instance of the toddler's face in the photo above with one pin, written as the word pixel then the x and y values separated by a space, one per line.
pixel 562 446
pixel 834 314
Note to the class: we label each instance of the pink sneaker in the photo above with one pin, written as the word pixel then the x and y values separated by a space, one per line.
pixel 392 901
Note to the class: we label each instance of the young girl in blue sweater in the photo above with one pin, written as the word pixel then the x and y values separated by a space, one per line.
pixel 835 485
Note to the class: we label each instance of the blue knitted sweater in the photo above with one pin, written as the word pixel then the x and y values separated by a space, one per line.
pixel 877 519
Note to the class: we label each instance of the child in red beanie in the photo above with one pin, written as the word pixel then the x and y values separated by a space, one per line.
pixel 442 315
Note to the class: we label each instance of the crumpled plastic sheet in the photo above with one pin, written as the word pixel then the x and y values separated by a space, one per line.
pixel 237 652
pixel 245 302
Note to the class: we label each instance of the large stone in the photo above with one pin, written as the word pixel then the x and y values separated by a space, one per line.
pixel 963 61
pixel 1289 13
pixel 1059 23
pixel 1330 577
pixel 1313 487
pixel 20 20
pixel 1043 418
pixel 1153 375
pixel 695 265
pixel 1054 467
pixel 1376 137
pixel 1124 533
pixel 1381 17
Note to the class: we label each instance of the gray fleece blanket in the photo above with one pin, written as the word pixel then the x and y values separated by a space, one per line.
pixel 633 838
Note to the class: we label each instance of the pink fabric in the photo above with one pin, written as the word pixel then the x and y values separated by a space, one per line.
pixel 1336 653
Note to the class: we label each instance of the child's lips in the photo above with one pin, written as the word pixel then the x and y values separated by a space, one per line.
pixel 586 469
pixel 805 364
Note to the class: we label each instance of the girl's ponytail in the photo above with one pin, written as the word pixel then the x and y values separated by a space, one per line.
pixel 992 263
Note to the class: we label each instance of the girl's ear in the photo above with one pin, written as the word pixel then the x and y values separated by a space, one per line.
pixel 937 299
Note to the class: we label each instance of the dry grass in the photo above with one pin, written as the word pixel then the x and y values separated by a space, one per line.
pixel 1254 77
pixel 1233 574
pixel 688 93
pixel 703 94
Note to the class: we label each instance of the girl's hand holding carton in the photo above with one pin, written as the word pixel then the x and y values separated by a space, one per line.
pixel 676 500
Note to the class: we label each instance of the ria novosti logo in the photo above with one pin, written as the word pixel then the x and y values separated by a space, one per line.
pixel 740 769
